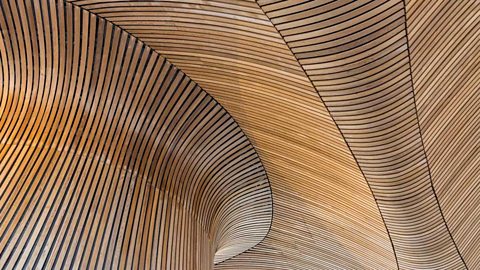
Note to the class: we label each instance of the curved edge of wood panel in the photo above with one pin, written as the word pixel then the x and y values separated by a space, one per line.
pixel 107 145
pixel 356 56
pixel 252 72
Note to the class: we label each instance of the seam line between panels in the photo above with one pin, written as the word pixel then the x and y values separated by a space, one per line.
pixel 221 106
pixel 338 128
pixel 421 136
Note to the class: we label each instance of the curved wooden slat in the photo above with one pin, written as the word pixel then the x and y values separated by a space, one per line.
pixel 356 55
pixel 402 93
pixel 445 56
pixel 324 213
pixel 111 157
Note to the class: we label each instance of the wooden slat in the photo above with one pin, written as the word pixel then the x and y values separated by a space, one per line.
pixel 111 157
pixel 356 55
pixel 445 50
pixel 365 114
pixel 324 213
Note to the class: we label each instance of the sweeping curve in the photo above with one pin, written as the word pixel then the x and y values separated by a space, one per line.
pixel 115 151
pixel 111 157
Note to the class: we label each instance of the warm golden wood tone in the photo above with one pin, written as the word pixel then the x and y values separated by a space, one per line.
pixel 444 39
pixel 365 115
pixel 113 158
pixel 357 57
pixel 324 213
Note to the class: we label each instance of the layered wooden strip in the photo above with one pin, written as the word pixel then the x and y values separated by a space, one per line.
pixel 356 55
pixel 111 157
pixel 324 214
pixel 445 50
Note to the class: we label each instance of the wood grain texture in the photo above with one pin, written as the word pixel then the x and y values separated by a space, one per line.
pixel 111 157
pixel 356 55
pixel 365 114
pixel 324 213
pixel 445 56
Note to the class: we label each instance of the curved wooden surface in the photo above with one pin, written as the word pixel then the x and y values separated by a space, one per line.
pixel 364 113
pixel 111 157
pixel 356 55
pixel 445 50
pixel 324 213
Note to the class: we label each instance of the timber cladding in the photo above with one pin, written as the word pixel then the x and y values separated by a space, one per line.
pixel 351 139
pixel 112 157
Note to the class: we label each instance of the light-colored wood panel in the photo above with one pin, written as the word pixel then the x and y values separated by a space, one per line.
pixel 444 44
pixel 362 72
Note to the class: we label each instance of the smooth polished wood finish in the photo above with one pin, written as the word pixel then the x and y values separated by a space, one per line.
pixel 111 157
pixel 444 39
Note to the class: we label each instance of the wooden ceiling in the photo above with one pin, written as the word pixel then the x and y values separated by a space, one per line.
pixel 351 140
pixel 110 153
pixel 445 59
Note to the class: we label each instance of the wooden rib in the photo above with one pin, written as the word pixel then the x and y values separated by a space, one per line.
pixel 357 58
pixel 445 56
pixel 324 213
pixel 111 157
